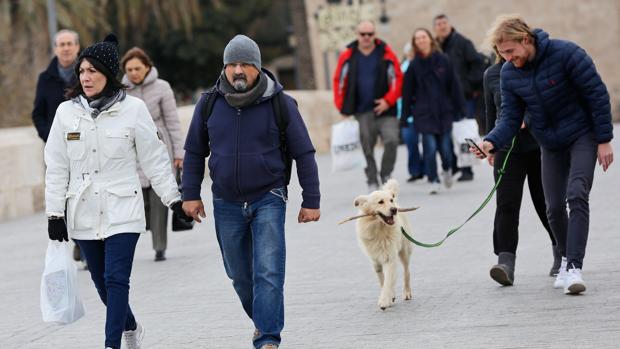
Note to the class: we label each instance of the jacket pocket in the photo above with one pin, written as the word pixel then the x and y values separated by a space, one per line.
pixel 76 149
pixel 259 171
pixel 117 143
pixel 82 212
pixel 124 204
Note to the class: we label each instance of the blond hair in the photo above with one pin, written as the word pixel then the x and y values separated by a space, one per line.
pixel 508 28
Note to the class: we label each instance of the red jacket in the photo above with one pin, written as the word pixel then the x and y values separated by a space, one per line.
pixel 388 83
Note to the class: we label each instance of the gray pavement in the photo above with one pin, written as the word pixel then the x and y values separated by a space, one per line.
pixel 331 290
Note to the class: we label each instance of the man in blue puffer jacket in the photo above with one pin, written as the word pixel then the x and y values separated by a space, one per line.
pixel 249 185
pixel 570 117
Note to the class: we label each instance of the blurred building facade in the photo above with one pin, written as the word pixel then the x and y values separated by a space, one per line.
pixel 594 25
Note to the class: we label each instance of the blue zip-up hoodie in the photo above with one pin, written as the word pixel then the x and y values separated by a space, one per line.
pixel 246 160
pixel 562 92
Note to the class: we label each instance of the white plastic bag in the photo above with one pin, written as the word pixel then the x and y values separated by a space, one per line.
pixel 466 128
pixel 346 148
pixel 60 300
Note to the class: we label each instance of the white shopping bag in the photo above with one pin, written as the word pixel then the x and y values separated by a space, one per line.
pixel 60 300
pixel 346 148
pixel 466 128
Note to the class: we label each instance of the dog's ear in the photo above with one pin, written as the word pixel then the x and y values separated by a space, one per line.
pixel 360 200
pixel 391 185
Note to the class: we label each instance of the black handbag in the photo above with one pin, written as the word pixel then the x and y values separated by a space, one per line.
pixel 177 223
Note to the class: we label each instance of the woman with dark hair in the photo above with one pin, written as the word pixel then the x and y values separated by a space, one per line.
pixel 524 162
pixel 96 139
pixel 432 94
pixel 142 80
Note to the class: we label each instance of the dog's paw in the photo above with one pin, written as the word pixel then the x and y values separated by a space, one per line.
pixel 407 295
pixel 385 302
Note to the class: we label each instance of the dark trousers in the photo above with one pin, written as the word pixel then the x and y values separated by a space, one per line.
pixel 156 218
pixel 109 263
pixel 431 144
pixel 510 193
pixel 567 178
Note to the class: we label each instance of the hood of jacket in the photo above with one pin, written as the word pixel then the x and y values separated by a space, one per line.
pixel 150 77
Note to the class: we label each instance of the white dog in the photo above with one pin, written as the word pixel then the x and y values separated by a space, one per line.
pixel 380 237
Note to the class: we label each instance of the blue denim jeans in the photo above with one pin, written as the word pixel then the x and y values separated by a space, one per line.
pixel 109 262
pixel 431 144
pixel 414 160
pixel 251 239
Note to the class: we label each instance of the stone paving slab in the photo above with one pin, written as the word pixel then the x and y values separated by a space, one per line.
pixel 331 290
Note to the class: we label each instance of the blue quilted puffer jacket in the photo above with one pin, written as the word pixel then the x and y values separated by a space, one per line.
pixel 562 92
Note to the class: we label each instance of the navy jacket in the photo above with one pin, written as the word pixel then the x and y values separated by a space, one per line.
pixel 50 93
pixel 245 161
pixel 432 94
pixel 562 92
pixel 467 62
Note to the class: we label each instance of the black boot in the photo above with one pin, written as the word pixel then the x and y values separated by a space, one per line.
pixel 160 256
pixel 557 260
pixel 504 271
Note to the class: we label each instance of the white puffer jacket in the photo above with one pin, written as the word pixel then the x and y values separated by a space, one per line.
pixel 91 166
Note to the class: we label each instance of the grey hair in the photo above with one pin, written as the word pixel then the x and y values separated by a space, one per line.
pixel 76 36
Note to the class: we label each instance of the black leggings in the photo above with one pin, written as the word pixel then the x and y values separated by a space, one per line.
pixel 510 193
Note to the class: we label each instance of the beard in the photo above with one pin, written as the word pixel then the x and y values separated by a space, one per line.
pixel 240 83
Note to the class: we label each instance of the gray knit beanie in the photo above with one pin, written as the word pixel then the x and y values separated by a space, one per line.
pixel 242 49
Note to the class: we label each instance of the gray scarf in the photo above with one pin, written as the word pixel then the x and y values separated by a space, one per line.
pixel 238 99
pixel 104 103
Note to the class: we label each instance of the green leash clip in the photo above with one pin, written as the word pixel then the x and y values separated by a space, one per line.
pixel 484 203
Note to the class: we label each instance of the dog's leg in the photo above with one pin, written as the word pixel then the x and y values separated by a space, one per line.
pixel 379 270
pixel 405 255
pixel 386 299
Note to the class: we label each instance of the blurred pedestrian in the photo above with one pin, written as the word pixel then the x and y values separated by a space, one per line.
pixel 432 94
pixel 143 82
pixel 524 163
pixel 469 68
pixel 570 117
pixel 51 86
pixel 94 144
pixel 367 84
pixel 408 132
pixel 249 163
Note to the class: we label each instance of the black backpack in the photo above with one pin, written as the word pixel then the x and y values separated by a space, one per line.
pixel 281 114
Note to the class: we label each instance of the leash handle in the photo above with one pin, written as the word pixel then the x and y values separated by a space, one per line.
pixel 484 203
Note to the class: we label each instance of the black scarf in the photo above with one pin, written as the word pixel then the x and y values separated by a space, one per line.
pixel 238 99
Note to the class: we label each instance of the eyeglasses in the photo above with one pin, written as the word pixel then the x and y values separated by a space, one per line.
pixel 370 34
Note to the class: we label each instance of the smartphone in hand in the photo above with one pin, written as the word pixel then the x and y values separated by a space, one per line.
pixel 473 144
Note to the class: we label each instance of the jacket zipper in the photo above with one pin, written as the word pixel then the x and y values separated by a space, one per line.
pixel 237 151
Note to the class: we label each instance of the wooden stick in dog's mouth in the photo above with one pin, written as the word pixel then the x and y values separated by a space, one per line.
pixel 373 214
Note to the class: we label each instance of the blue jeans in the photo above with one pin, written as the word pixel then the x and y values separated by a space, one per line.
pixel 251 239
pixel 414 160
pixel 109 262
pixel 431 144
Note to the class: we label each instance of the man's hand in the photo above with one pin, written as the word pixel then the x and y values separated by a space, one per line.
pixel 194 209
pixel 491 159
pixel 177 163
pixel 605 155
pixel 486 147
pixel 381 106
pixel 308 215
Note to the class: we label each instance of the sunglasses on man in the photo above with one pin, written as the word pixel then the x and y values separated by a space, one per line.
pixel 370 34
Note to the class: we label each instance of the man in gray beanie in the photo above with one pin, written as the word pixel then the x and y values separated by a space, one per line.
pixel 239 124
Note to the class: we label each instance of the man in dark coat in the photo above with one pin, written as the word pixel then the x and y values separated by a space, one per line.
pixel 54 80
pixel 469 68
pixel 570 117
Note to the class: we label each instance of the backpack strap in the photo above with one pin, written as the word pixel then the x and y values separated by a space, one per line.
pixel 211 95
pixel 282 118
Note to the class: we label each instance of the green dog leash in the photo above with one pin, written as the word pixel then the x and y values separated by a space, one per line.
pixel 484 203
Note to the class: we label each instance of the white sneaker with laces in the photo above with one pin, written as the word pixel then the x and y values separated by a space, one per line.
pixel 134 338
pixel 447 178
pixel 574 282
pixel 435 188
pixel 559 279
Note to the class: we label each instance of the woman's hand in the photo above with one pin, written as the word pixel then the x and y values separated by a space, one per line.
pixel 605 155
pixel 177 163
pixel 486 147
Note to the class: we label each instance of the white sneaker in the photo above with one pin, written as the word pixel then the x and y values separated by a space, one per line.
pixel 134 338
pixel 435 188
pixel 574 282
pixel 561 277
pixel 446 176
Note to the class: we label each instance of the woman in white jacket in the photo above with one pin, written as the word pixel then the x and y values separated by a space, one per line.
pixel 143 82
pixel 96 140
